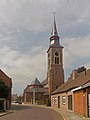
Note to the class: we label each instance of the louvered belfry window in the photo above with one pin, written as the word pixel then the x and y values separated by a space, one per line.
pixel 56 58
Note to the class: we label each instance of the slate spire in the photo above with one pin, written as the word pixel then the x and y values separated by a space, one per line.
pixel 54 28
pixel 54 39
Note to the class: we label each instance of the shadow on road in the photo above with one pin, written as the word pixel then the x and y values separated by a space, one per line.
pixel 20 107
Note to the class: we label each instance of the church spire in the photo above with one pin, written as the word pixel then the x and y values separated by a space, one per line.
pixel 55 74
pixel 54 28
pixel 54 39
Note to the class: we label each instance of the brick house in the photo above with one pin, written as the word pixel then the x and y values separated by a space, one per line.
pixel 8 82
pixel 74 94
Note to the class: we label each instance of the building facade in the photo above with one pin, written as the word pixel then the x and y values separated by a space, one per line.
pixel 8 82
pixel 35 93
pixel 55 73
pixel 74 94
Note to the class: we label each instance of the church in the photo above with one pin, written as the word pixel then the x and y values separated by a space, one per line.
pixel 72 95
pixel 55 72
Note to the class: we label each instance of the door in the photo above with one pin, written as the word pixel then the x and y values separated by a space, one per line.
pixel 70 102
pixel 89 105
pixel 58 101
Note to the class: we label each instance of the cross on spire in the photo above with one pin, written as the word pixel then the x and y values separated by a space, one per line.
pixel 54 13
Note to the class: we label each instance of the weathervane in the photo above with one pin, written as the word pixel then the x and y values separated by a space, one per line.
pixel 54 13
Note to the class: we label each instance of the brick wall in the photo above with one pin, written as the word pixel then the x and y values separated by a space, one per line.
pixel 80 102
pixel 8 82
pixel 63 100
pixel 5 79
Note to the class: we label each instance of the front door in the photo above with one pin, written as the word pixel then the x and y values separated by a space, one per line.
pixel 58 101
pixel 89 105
pixel 70 102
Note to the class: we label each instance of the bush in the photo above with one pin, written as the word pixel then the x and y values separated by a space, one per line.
pixel 1 104
pixel 40 102
pixel 4 90
pixel 48 102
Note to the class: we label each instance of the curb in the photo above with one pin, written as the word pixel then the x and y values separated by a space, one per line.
pixel 62 116
pixel 59 113
pixel 2 114
pixel 52 109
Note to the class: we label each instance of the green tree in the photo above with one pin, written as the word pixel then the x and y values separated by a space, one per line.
pixel 48 102
pixel 4 90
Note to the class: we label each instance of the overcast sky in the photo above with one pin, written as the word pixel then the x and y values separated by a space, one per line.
pixel 25 27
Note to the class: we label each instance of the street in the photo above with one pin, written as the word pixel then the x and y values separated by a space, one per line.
pixel 22 112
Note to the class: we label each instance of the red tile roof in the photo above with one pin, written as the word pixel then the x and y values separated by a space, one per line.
pixel 81 79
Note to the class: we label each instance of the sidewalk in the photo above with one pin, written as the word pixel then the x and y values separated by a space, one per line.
pixel 69 115
pixel 5 113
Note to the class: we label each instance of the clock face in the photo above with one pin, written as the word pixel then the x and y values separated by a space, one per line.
pixel 52 42
pixel 56 53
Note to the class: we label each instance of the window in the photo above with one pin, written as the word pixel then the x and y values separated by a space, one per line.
pixel 48 61
pixel 63 100
pixel 56 58
pixel 54 100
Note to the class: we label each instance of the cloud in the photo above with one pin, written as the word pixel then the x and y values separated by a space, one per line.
pixel 36 16
pixel 25 27
pixel 29 16
pixel 76 52
pixel 23 68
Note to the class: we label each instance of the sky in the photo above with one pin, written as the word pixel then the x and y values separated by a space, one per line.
pixel 25 29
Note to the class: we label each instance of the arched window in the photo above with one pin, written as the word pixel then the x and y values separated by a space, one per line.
pixel 48 59
pixel 56 58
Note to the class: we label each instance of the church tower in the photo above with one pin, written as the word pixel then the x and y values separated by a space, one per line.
pixel 55 74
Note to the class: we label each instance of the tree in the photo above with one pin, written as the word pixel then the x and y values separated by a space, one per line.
pixel 4 90
pixel 81 69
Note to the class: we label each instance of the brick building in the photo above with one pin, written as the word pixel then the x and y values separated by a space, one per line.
pixel 8 82
pixel 74 94
pixel 35 93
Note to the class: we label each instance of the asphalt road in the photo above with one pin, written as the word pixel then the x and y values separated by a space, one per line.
pixel 22 112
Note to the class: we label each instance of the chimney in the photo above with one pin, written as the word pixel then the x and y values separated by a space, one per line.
pixel 74 74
